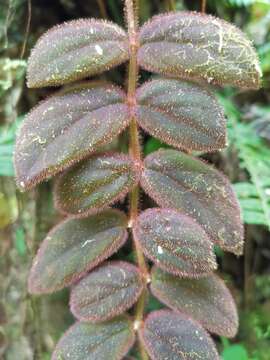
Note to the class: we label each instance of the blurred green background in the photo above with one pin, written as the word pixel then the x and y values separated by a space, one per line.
pixel 29 326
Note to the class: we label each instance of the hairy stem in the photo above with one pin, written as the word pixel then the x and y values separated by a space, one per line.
pixel 203 6
pixel 135 152
pixel 102 9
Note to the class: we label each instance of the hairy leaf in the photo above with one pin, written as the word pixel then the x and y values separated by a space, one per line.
pixel 197 46
pixel 66 128
pixel 86 341
pixel 207 300
pixel 175 242
pixel 172 336
pixel 176 180
pixel 96 183
pixel 74 247
pixel 106 292
pixel 75 50
pixel 182 114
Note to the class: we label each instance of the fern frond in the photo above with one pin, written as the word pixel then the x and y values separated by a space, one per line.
pixel 254 156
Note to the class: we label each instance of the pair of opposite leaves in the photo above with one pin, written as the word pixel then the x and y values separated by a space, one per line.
pixel 186 45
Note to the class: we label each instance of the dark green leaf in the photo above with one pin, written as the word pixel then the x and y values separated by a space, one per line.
pixel 76 50
pixel 74 247
pixel 96 183
pixel 85 341
pixel 181 114
pixel 197 46
pixel 171 336
pixel 106 292
pixel 66 128
pixel 175 242
pixel 206 300
pixel 176 180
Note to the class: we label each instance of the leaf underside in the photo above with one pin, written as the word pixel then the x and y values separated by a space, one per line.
pixel 75 50
pixel 179 181
pixel 106 292
pixel 86 341
pixel 206 300
pixel 96 183
pixel 74 247
pixel 65 129
pixel 175 242
pixel 182 114
pixel 192 45
pixel 168 335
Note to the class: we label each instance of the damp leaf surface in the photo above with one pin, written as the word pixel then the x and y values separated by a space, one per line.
pixel 85 341
pixel 65 129
pixel 206 300
pixel 96 183
pixel 75 50
pixel 175 242
pixel 106 292
pixel 74 247
pixel 182 114
pixel 192 45
pixel 179 181
pixel 168 335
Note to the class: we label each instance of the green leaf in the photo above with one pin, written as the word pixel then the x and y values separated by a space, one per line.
pixel 67 128
pixel 250 203
pixel 106 292
pixel 254 156
pixel 182 114
pixel 206 300
pixel 85 341
pixel 235 352
pixel 169 335
pixel 7 140
pixel 96 183
pixel 197 46
pixel 175 242
pixel 74 247
pixel 179 181
pixel 75 50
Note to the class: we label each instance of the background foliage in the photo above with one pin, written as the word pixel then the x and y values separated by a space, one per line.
pixel 30 325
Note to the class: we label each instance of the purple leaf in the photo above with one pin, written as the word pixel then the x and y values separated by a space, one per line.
pixel 106 292
pixel 172 336
pixel 75 50
pixel 206 300
pixel 182 114
pixel 175 242
pixel 107 341
pixel 192 45
pixel 96 183
pixel 74 247
pixel 66 128
pixel 179 181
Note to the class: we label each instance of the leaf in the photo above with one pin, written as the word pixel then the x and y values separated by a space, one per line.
pixel 179 181
pixel 175 242
pixel 85 341
pixel 7 139
pixel 206 300
pixel 196 46
pixel 74 247
pixel 106 292
pixel 96 183
pixel 235 352
pixel 75 50
pixel 250 203
pixel 65 129
pixel 254 156
pixel 182 114
pixel 172 336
